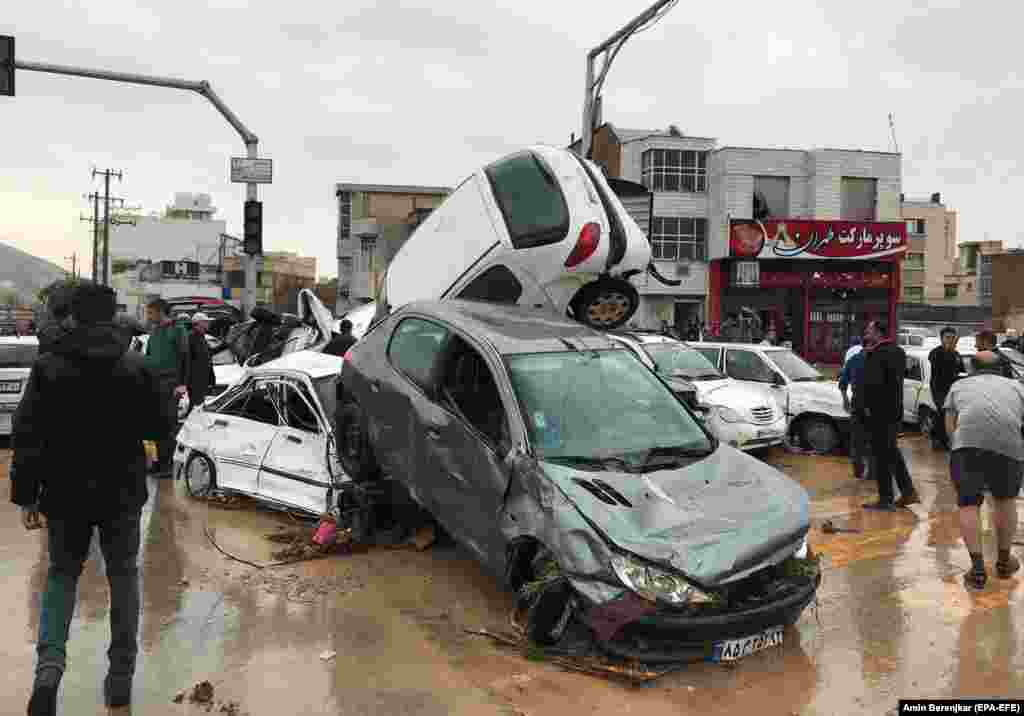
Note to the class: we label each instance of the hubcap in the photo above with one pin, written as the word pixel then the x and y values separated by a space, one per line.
pixel 608 308
pixel 199 476
pixel 819 436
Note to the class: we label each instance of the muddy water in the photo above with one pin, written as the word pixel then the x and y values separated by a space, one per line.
pixel 892 620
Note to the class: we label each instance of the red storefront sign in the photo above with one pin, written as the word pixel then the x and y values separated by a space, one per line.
pixel 826 279
pixel 788 239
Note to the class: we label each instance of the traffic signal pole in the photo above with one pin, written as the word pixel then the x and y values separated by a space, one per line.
pixel 203 88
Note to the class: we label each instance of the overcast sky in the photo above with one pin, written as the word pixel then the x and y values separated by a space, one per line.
pixel 422 93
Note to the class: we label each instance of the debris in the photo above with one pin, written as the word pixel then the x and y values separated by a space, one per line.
pixel 328 655
pixel 326 531
pixel 202 693
pixel 179 698
pixel 231 708
pixel 830 529
pixel 424 537
pixel 184 582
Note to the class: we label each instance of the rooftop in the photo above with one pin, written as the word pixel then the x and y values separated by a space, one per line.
pixel 392 189
pixel 313 363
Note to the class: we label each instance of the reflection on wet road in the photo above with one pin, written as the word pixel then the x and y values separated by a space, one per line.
pixel 892 621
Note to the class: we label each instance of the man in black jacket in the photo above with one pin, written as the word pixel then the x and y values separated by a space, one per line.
pixel 79 461
pixel 884 369
pixel 201 377
pixel 342 341
pixel 947 365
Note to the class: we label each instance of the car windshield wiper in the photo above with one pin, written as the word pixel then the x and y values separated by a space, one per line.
pixel 601 463
pixel 675 451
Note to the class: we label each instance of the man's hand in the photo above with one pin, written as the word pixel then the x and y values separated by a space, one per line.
pixel 32 519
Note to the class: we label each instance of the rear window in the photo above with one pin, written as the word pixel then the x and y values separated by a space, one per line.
pixel 18 355
pixel 530 200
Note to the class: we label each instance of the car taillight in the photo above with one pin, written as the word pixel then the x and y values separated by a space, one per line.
pixel 586 245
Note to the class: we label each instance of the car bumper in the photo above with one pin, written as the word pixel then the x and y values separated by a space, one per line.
pixel 748 436
pixel 665 637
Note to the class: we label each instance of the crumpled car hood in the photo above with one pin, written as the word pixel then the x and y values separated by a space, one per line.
pixel 714 520
pixel 732 395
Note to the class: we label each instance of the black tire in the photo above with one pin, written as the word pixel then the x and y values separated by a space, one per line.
pixel 605 304
pixel 196 464
pixel 819 434
pixel 550 613
pixel 354 450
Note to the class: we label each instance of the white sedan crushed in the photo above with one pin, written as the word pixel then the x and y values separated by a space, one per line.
pixel 269 436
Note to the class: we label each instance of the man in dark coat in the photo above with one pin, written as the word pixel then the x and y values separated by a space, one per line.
pixel 81 473
pixel 200 374
pixel 342 341
pixel 947 365
pixel 884 368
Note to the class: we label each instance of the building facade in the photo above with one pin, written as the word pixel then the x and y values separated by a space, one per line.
pixel 144 280
pixel 186 229
pixel 279 279
pixel 374 220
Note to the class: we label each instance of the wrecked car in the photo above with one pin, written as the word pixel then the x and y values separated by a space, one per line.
pixel 269 436
pixel 577 476
pixel 268 335
pixel 540 227
pixel 17 355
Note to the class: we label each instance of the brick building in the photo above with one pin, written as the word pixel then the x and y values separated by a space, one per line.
pixel 278 281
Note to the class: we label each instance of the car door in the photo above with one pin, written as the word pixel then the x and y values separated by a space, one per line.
pixel 913 388
pixel 294 471
pixel 243 431
pixel 464 461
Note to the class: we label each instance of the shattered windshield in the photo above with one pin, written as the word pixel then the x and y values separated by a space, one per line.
pixel 602 407
pixel 677 360
pixel 794 367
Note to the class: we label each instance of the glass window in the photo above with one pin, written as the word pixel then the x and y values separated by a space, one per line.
pixel 468 388
pixel 675 359
pixel 913 294
pixel 858 198
pixel 298 410
pixel 530 199
pixel 773 193
pixel 678 238
pixel 258 402
pixel 747 365
pixel 18 355
pixel 497 284
pixel 674 170
pixel 915 226
pixel 414 348
pixel 599 404
pixel 913 371
pixel 952 290
pixel 914 260
pixel 712 354
pixel 794 367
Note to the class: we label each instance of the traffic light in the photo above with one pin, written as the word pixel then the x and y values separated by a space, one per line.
pixel 253 233
pixel 6 66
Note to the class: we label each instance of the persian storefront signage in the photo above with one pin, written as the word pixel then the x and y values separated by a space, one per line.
pixel 787 239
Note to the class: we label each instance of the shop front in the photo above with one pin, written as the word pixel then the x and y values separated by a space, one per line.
pixel 816 284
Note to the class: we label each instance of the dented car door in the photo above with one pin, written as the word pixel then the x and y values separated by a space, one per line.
pixel 243 430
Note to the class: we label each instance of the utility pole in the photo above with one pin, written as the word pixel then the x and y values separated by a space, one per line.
pixel 106 174
pixel 73 258
pixel 610 48
pixel 95 219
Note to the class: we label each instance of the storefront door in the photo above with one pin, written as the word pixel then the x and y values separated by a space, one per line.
pixel 834 324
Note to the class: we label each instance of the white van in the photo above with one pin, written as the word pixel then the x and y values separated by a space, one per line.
pixel 540 227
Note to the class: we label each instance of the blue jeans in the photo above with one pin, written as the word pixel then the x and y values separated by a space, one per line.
pixel 69 547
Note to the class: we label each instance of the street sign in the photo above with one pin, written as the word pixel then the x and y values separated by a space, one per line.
pixel 6 66
pixel 251 171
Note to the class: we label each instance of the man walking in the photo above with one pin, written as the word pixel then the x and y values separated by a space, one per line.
pixel 884 366
pixel 200 373
pixel 984 415
pixel 83 473
pixel 342 341
pixel 853 377
pixel 167 358
pixel 947 365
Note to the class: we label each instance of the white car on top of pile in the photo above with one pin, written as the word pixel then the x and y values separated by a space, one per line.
pixel 16 358
pixel 269 436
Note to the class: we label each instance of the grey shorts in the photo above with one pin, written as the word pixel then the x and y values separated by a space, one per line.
pixel 973 470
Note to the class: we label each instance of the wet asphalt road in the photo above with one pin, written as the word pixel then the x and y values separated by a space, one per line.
pixel 893 621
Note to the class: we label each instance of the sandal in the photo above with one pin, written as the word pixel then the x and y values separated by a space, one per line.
pixel 973 579
pixel 1007 569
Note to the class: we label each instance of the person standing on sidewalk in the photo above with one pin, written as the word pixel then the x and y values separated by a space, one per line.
pixel 884 368
pixel 167 352
pixel 947 365
pixel 853 377
pixel 74 470
pixel 984 418
pixel 201 375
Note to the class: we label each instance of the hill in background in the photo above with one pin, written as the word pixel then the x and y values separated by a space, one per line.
pixel 25 273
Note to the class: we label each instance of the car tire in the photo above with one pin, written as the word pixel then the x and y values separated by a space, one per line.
pixel 354 450
pixel 605 304
pixel 818 434
pixel 196 466
pixel 550 613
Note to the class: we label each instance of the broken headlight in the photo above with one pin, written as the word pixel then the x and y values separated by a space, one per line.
pixel 729 415
pixel 655 584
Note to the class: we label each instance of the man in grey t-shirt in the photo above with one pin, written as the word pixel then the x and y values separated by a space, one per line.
pixel 984 418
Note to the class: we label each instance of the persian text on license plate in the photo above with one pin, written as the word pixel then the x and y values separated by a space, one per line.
pixel 734 649
pixel 10 386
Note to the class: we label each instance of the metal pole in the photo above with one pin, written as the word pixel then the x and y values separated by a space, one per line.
pixel 95 236
pixel 106 227
pixel 249 262
pixel 587 135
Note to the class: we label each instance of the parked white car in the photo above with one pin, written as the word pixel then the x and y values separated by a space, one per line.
pixel 736 414
pixel 541 228
pixel 16 358
pixel 812 403
pixel 269 436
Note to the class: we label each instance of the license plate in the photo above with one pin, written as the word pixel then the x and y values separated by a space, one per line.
pixel 767 433
pixel 734 649
pixel 10 386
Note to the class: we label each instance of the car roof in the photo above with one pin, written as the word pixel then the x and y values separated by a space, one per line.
pixel 751 346
pixel 514 329
pixel 30 340
pixel 313 363
pixel 646 337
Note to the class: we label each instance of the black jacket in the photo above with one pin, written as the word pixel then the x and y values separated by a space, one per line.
pixel 340 344
pixel 946 367
pixel 883 382
pixel 200 373
pixel 79 427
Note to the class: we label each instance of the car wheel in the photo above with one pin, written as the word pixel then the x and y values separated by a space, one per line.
pixel 605 304
pixel 354 450
pixel 819 434
pixel 200 475
pixel 550 613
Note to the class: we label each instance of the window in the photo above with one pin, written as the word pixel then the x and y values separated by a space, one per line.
pixel 913 294
pixel 915 226
pixel 674 238
pixel 344 215
pixel 675 170
pixel 747 365
pixel 298 410
pixel 414 349
pixel 914 261
pixel 746 273
pixel 530 199
pixel 468 388
pixel 952 290
pixel 497 284
pixel 771 197
pixel 257 403
pixel 913 370
pixel 712 354
pixel 858 197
